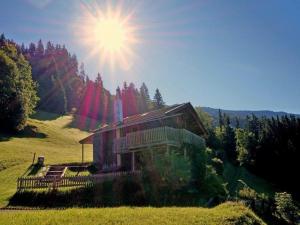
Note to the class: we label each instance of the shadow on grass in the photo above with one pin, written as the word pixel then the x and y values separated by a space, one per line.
pixel 83 123
pixel 29 131
pixel 44 116
pixel 104 194
pixel 111 193
pixel 34 169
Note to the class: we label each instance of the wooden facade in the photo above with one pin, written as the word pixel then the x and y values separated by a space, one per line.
pixel 116 146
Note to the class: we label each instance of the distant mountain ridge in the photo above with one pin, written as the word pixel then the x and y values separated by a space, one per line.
pixel 242 114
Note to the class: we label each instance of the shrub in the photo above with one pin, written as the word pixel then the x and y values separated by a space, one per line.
pixel 198 158
pixel 213 184
pixel 218 165
pixel 285 208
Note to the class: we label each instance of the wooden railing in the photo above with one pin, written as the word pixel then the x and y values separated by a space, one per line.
pixel 25 183
pixel 156 136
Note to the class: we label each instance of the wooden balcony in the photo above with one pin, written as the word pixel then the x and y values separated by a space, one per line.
pixel 154 137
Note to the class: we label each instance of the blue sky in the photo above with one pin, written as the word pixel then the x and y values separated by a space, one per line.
pixel 224 54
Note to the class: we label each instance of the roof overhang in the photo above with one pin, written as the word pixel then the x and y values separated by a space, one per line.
pixel 87 140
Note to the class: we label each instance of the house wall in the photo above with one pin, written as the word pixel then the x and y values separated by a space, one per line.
pixel 97 150
pixel 103 155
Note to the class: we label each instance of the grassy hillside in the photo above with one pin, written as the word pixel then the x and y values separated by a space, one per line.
pixel 237 176
pixel 228 213
pixel 57 139
pixel 50 136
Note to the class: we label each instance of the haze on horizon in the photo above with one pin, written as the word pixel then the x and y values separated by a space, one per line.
pixel 223 54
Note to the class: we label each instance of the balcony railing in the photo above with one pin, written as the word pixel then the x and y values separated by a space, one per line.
pixel 156 136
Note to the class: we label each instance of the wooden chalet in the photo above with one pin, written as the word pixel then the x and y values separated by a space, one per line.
pixel 117 146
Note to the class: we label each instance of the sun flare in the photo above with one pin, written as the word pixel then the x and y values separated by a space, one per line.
pixel 109 36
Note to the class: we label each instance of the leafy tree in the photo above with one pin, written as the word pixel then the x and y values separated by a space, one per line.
pixel 245 141
pixel 17 90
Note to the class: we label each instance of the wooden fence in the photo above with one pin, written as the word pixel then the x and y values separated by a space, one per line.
pixel 155 136
pixel 26 183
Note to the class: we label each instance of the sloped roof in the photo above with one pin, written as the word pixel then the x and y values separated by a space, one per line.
pixel 145 117
pixel 140 118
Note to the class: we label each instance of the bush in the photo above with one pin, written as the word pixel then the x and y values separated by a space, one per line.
pixel 218 165
pixel 285 208
pixel 198 158
pixel 213 185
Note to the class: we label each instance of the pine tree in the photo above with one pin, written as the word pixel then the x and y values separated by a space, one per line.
pixel 158 100
pixel 82 74
pixel 31 49
pixel 118 92
pixel 99 81
pixel 49 48
pixel 2 39
pixel 229 142
pixel 40 49
pixel 145 102
pixel 221 119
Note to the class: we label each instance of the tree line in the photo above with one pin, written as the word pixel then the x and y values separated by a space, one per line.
pixel 269 147
pixel 63 86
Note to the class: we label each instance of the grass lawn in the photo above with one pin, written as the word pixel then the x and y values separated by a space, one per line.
pixel 53 138
pixel 227 213
pixel 233 173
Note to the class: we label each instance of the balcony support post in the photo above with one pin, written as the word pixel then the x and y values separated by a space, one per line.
pixel 132 161
pixel 82 153
pixel 118 155
pixel 168 150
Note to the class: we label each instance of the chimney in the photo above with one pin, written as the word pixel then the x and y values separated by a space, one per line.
pixel 118 107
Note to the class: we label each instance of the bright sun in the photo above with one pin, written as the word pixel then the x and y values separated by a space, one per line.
pixel 108 34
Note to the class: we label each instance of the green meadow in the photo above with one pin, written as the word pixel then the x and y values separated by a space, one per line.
pixel 51 136
pixel 227 213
